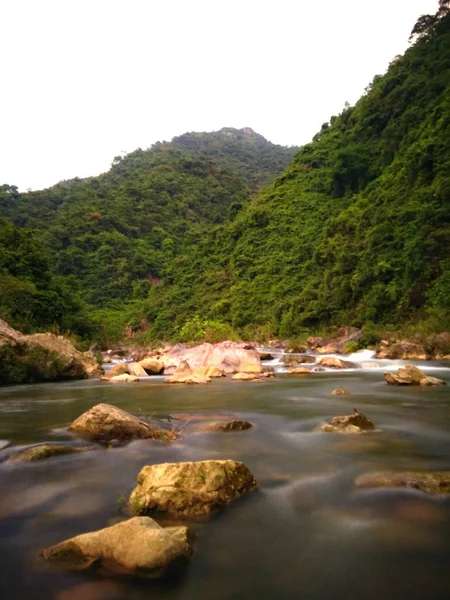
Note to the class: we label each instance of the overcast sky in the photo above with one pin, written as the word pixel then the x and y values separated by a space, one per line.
pixel 83 81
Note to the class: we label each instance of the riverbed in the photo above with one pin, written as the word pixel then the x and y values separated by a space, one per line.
pixel 308 533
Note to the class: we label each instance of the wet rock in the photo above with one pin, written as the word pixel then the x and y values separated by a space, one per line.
pixel 138 547
pixel 296 348
pixel 332 362
pixel 329 349
pixel 46 451
pixel 267 375
pixel 105 422
pixel 411 375
pixel 119 369
pixel 191 489
pixel 235 425
pixel 125 378
pixel 300 371
pixel 245 377
pixel 295 361
pixel 265 355
pixel 354 423
pixel 152 366
pixel 430 483
pixel 341 392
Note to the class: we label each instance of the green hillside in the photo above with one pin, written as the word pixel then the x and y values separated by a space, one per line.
pixel 357 229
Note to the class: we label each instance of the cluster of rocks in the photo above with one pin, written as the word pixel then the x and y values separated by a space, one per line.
pixel 411 375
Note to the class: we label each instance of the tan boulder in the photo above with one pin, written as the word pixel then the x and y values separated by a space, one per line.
pixel 105 422
pixel 208 371
pixel 125 378
pixel 244 376
pixel 184 374
pixel 136 369
pixel 430 483
pixel 191 489
pixel 403 350
pixel 138 547
pixel 119 369
pixel 332 362
pixel 354 423
pixel 300 371
pixel 432 381
pixel 152 366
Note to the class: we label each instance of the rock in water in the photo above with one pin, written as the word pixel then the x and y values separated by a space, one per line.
pixel 46 451
pixel 105 422
pixel 136 369
pixel 245 377
pixel 138 546
pixel 355 423
pixel 341 392
pixel 300 371
pixel 184 374
pixel 235 425
pixel 229 357
pixel 430 483
pixel 411 375
pixel 124 378
pixel 333 362
pixel 152 366
pixel 191 489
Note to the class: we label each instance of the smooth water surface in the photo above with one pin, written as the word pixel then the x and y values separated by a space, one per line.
pixel 307 534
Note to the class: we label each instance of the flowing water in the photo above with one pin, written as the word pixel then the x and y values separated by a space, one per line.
pixel 307 534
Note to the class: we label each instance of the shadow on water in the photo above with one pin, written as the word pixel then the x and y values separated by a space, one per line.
pixel 306 534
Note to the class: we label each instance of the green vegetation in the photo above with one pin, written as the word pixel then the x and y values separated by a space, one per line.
pixel 176 242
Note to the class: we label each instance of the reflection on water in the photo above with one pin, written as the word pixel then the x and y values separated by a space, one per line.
pixel 307 533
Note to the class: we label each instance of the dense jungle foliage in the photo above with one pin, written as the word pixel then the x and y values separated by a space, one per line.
pixel 176 241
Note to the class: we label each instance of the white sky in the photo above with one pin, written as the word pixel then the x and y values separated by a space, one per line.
pixel 83 81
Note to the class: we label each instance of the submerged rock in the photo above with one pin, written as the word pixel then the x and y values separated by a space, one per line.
pixel 430 483
pixel 355 423
pixel 341 392
pixel 235 425
pixel 191 489
pixel 137 547
pixel 300 371
pixel 332 362
pixel 46 451
pixel 411 375
pixel 105 422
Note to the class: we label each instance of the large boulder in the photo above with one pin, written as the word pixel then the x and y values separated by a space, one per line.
pixel 104 423
pixel 411 375
pixel 52 357
pixel 229 357
pixel 354 423
pixel 431 483
pixel 138 547
pixel 152 366
pixel 332 362
pixel 191 489
pixel 136 369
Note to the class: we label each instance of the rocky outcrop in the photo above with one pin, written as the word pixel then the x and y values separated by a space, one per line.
pixel 354 423
pixel 340 392
pixel 138 547
pixel 55 356
pixel 46 451
pixel 229 357
pixel 335 345
pixel 104 423
pixel 430 483
pixel 411 375
pixel 402 350
pixel 191 489
pixel 332 362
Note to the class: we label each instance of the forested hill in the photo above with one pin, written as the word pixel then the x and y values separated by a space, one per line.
pixel 114 235
pixel 357 229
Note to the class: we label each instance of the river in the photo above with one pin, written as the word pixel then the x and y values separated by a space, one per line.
pixel 307 534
